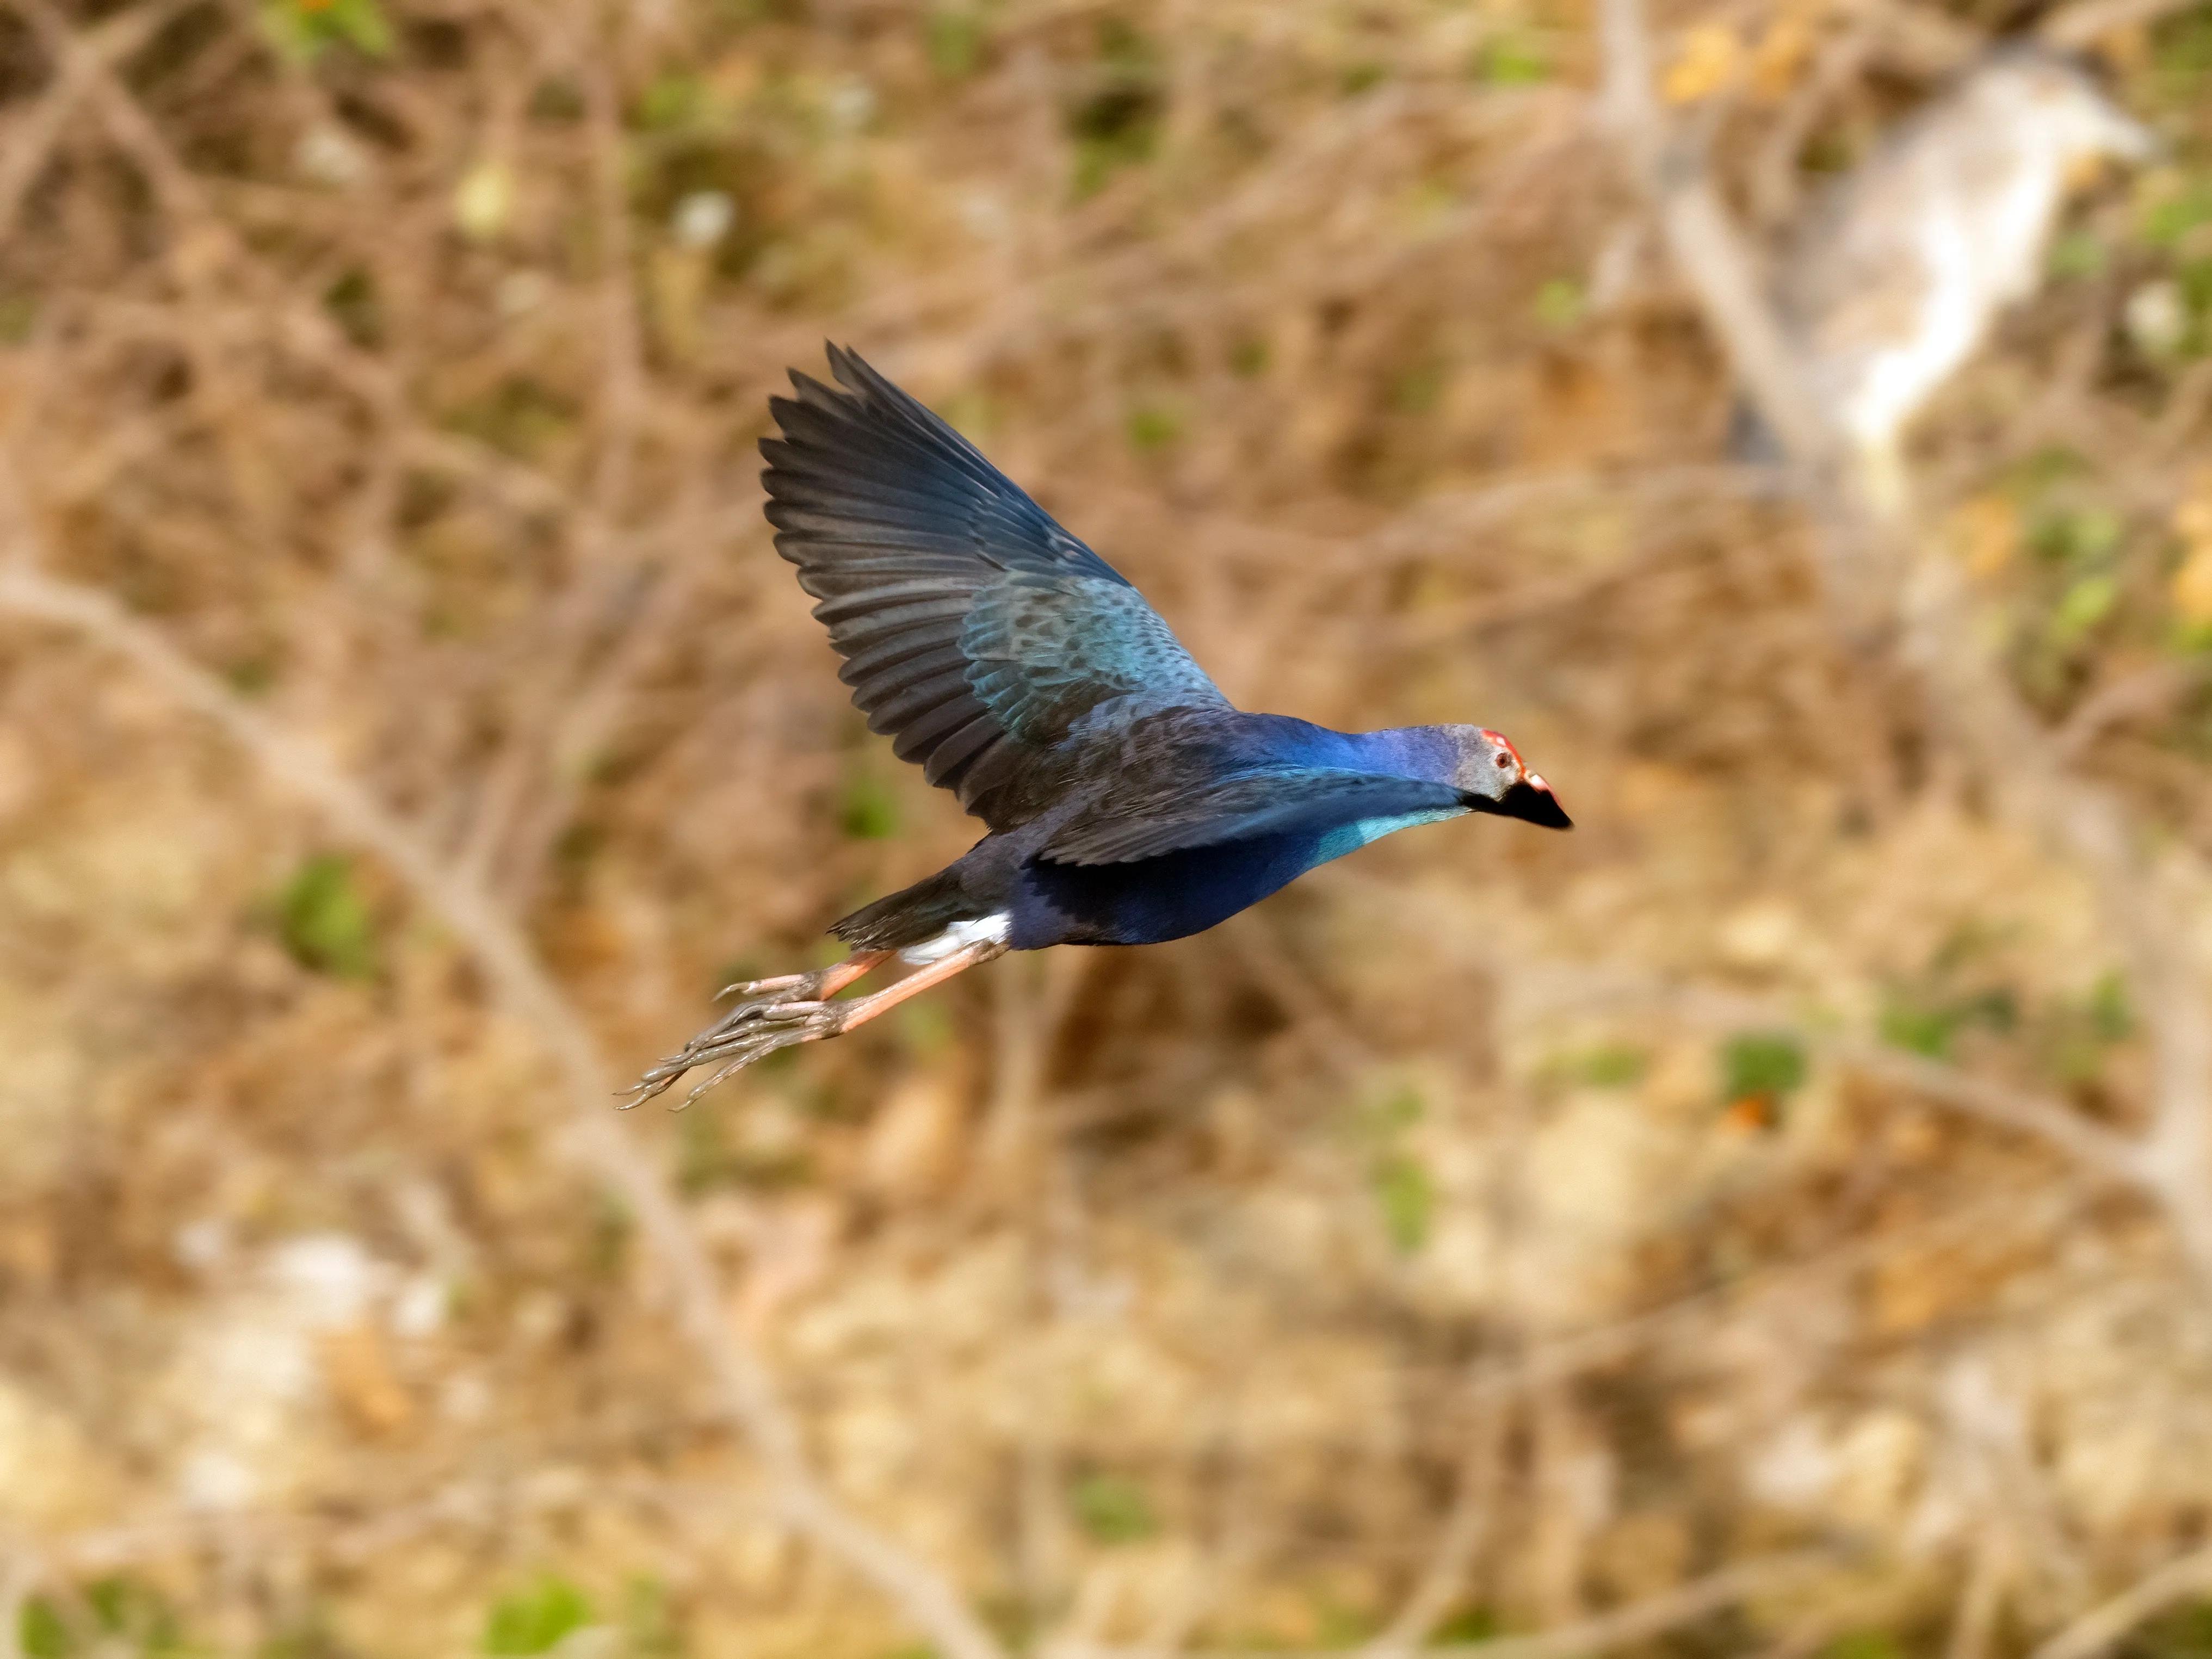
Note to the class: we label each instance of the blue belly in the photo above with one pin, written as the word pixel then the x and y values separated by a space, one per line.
pixel 1181 893
pixel 1153 899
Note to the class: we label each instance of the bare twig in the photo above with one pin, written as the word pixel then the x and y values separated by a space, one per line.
pixel 2143 695
pixel 1696 227
pixel 2101 1626
pixel 2000 1105
pixel 2078 28
pixel 31 137
pixel 1459 1541
pixel 1637 1622
pixel 740 1379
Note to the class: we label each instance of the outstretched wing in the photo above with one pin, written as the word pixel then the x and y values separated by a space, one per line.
pixel 1274 800
pixel 975 629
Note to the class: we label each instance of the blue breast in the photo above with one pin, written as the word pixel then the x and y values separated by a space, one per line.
pixel 1350 837
pixel 1153 900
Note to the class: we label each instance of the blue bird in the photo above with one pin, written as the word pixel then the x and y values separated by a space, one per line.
pixel 1127 801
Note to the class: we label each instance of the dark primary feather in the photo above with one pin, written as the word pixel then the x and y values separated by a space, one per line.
pixel 975 629
pixel 1273 800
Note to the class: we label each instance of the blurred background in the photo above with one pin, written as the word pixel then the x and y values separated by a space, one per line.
pixel 1771 1220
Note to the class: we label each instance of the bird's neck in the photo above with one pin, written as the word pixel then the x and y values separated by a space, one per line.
pixel 1430 753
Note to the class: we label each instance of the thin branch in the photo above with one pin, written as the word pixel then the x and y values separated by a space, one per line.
pixel 1639 1622
pixel 2147 694
pixel 2103 1152
pixel 2079 28
pixel 32 137
pixel 1703 244
pixel 2101 1626
pixel 1458 1543
pixel 741 1382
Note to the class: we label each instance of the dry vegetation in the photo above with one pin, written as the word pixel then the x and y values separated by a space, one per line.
pixel 1759 1223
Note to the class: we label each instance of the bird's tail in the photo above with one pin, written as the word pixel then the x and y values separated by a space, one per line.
pixel 909 916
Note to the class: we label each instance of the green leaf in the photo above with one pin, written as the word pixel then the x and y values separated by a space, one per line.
pixel 650 1629
pixel 324 921
pixel 1407 1198
pixel 536 1619
pixel 2077 254
pixel 671 102
pixel 1512 60
pixel 2081 535
pixel 1771 1063
pixel 1863 1644
pixel 2086 603
pixel 355 308
pixel 360 24
pixel 2111 1017
pixel 303 29
pixel 1401 1108
pixel 2168 222
pixel 1415 391
pixel 40 1632
pixel 955 40
pixel 1560 303
pixel 1475 1624
pixel 130 1609
pixel 19 312
pixel 1117 124
pixel 1611 1066
pixel 1153 428
pixel 1920 1030
pixel 2183 1632
pixel 1113 1508
pixel 869 810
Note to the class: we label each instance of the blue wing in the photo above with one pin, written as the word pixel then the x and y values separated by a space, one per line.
pixel 974 628
pixel 1243 806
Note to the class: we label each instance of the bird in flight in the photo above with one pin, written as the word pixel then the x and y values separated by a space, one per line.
pixel 1125 801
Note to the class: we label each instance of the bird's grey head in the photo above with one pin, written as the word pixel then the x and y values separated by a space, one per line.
pixel 2050 100
pixel 1492 777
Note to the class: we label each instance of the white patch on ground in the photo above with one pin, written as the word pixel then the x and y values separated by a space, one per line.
pixel 959 935
pixel 240 1398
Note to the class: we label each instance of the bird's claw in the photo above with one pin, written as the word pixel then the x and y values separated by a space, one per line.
pixel 807 988
pixel 792 1013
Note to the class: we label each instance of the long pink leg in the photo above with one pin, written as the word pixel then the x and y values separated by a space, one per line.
pixel 798 1010
pixel 862 1010
pixel 811 986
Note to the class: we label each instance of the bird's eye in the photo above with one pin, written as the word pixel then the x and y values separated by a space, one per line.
pixel 1505 760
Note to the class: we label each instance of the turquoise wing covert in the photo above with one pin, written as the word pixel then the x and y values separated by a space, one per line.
pixel 1269 800
pixel 975 630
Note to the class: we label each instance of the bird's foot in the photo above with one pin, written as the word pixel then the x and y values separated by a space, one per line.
pixel 790 1008
pixel 752 1031
pixel 794 1009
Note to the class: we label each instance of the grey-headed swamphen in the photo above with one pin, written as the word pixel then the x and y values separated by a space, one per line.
pixel 1127 801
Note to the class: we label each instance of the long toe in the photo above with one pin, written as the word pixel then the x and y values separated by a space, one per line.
pixel 737 1039
pixel 779 982
pixel 784 1028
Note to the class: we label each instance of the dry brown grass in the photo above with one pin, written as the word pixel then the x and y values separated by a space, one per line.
pixel 408 726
